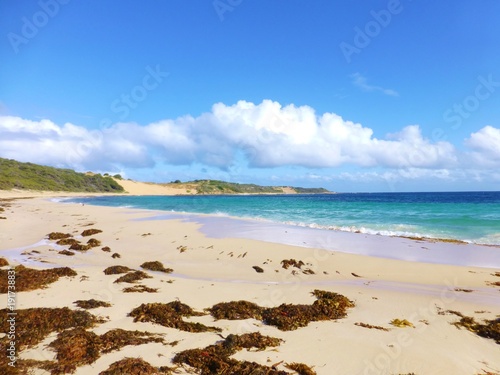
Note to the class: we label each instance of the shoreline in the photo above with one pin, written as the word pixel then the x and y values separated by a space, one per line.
pixel 209 270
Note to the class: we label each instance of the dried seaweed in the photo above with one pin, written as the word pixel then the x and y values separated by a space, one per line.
pixel 236 310
pixel 67 241
pixel 139 289
pixel 90 232
pixel 490 329
pixel 170 315
pixel 66 252
pixel 132 366
pixel 93 242
pixel 58 235
pixel 106 249
pixel 365 325
pixel 215 359
pixel 3 262
pixel 80 247
pixel 91 304
pixel 116 255
pixel 287 317
pixel 132 277
pixel 286 263
pixel 401 323
pixel 115 270
pixel 300 368
pixel 156 266
pixel 30 279
pixel 35 324
pixel 118 338
pixel 258 269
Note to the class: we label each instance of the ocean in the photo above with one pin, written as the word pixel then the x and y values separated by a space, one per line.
pixel 467 216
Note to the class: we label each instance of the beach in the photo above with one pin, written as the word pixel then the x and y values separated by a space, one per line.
pixel 421 299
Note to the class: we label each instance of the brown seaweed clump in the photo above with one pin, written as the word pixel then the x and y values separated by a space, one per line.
pixel 66 252
pixel 93 242
pixel 287 317
pixel 116 255
pixel 300 368
pixel 80 247
pixel 490 329
pixel 236 310
pixel 215 359
pixel 286 263
pixel 133 366
pixel 156 266
pixel 139 289
pixel 35 324
pixel 369 326
pixel 115 270
pixel 132 277
pixel 91 304
pixel 58 236
pixel 107 249
pixel 3 262
pixel 258 269
pixel 90 232
pixel 67 241
pixel 30 279
pixel 170 315
pixel 401 323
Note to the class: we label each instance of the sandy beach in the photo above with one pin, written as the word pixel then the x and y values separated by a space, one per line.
pixel 425 298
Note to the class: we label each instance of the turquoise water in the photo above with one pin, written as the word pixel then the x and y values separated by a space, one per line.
pixel 468 216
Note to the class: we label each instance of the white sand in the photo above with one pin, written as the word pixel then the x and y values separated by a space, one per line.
pixel 215 270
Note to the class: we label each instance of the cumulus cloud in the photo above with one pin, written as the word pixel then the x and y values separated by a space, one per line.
pixel 266 135
pixel 361 82
pixel 485 146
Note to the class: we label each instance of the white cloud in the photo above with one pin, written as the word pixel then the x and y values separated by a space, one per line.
pixel 359 81
pixel 266 134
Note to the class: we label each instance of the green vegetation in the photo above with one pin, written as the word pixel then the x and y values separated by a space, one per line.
pixel 301 190
pixel 16 175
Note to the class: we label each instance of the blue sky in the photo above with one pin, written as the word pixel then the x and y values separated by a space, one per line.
pixel 377 96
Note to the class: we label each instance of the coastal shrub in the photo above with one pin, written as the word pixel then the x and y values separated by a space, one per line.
pixel 3 262
pixel 156 266
pixel 115 270
pixel 90 232
pixel 170 315
pixel 30 279
pixel 132 277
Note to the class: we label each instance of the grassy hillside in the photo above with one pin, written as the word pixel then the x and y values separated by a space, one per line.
pixel 16 175
pixel 222 187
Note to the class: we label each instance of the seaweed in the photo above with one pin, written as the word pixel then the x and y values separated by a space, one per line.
pixel 170 315
pixel 118 338
pixel 66 252
pixel 236 310
pixel 401 323
pixel 35 324
pixel 286 263
pixel 139 289
pixel 106 249
pixel 287 317
pixel 30 279
pixel 93 242
pixel 90 232
pixel 300 368
pixel 365 325
pixel 182 248
pixel 58 235
pixel 215 359
pixel 490 329
pixel 156 266
pixel 3 262
pixel 132 277
pixel 67 241
pixel 80 247
pixel 133 366
pixel 91 304
pixel 258 269
pixel 116 255
pixel 115 270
